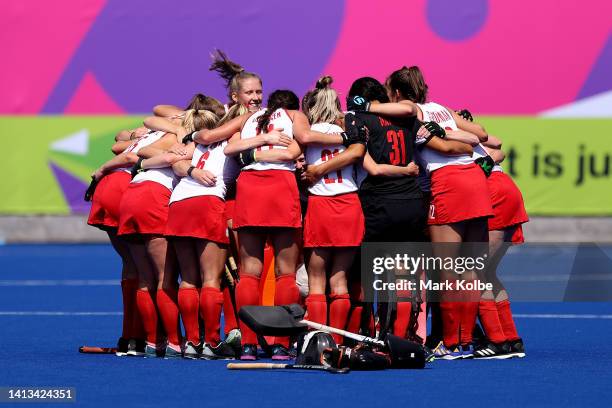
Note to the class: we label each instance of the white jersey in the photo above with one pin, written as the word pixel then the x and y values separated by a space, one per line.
pixel 497 167
pixel 340 181
pixel 479 151
pixel 146 140
pixel 211 158
pixel 164 176
pixel 279 119
pixel 431 159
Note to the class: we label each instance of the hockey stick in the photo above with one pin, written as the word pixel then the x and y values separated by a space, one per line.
pixel 231 271
pixel 97 350
pixel 358 337
pixel 91 189
pixel 267 366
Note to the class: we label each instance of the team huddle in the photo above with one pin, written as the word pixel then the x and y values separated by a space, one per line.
pixel 194 199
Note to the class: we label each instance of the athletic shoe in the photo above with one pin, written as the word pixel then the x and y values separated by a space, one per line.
pixel 493 351
pixel 221 351
pixel 173 351
pixel 192 351
pixel 154 350
pixel 280 352
pixel 429 354
pixel 517 348
pixel 249 352
pixel 122 347
pixel 233 339
pixel 467 351
pixel 136 347
pixel 448 353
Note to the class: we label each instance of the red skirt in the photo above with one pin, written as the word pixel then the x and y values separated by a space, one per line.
pixel 198 217
pixel 335 221
pixel 507 201
pixel 267 198
pixel 104 212
pixel 230 206
pixel 517 236
pixel 144 209
pixel 458 193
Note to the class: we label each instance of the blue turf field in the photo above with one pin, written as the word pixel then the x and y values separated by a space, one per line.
pixel 569 360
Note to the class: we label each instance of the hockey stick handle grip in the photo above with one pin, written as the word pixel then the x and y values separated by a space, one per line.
pixel 97 350
pixel 354 336
pixel 255 366
pixel 229 277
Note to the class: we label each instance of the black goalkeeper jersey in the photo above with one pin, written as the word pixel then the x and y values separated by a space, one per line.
pixel 390 141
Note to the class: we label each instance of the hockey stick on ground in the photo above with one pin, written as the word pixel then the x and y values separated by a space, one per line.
pixel 97 350
pixel 267 366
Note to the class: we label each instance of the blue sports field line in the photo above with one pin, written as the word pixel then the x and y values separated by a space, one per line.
pixel 51 313
pixel 61 282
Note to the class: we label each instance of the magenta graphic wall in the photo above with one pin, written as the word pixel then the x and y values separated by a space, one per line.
pixel 123 56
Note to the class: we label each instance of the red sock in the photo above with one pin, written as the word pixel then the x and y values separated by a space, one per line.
pixel 469 313
pixel 128 291
pixel 450 312
pixel 402 317
pixel 316 307
pixel 487 312
pixel 167 304
pixel 339 306
pixel 189 305
pixel 286 292
pixel 229 314
pixel 211 303
pixel 506 320
pixel 148 314
pixel 354 320
pixel 247 293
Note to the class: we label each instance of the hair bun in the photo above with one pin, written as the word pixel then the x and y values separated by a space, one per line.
pixel 324 82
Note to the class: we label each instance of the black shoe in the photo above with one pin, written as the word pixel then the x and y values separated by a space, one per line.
pixel 493 351
pixel 192 351
pixel 221 351
pixel 249 352
pixel 122 347
pixel 233 339
pixel 280 352
pixel 429 354
pixel 517 348
pixel 136 347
